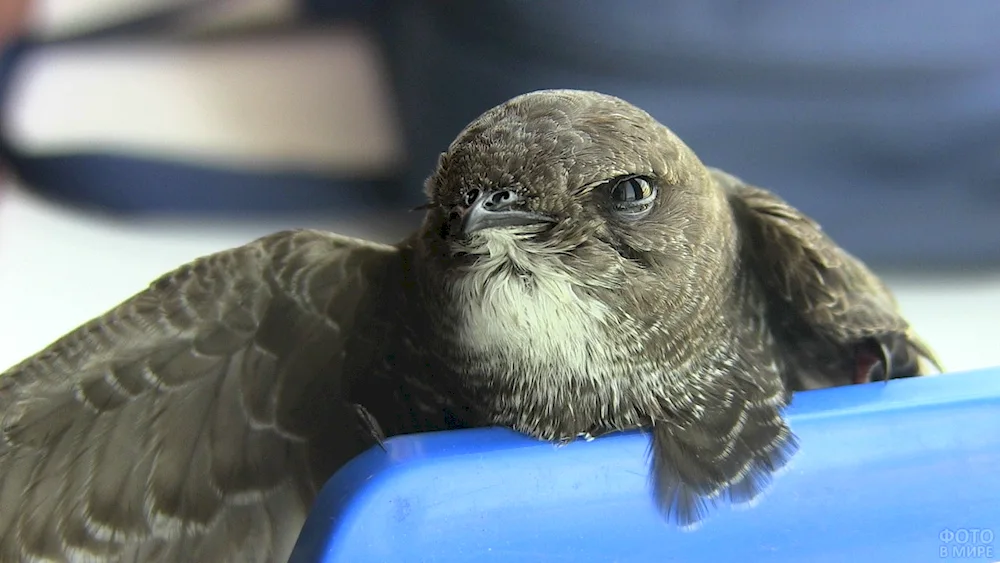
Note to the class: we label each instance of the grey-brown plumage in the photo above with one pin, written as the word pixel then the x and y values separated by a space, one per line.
pixel 579 271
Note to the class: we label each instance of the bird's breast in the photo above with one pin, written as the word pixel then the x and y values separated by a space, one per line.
pixel 548 357
pixel 535 325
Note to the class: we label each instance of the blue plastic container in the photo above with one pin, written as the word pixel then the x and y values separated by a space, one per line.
pixel 903 471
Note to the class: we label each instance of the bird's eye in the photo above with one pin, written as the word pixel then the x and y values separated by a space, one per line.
pixel 632 196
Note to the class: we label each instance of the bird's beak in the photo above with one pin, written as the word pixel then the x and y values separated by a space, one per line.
pixel 494 209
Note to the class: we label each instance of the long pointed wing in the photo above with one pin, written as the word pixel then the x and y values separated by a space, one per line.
pixel 819 291
pixel 814 305
pixel 175 426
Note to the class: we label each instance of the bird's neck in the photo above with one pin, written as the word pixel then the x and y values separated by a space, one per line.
pixel 546 358
pixel 543 355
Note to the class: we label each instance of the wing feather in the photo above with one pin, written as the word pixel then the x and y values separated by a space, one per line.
pixel 170 428
pixel 805 304
pixel 820 295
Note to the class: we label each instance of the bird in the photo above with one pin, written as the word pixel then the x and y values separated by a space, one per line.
pixel 578 272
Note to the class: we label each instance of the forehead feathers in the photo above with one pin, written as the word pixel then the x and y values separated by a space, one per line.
pixel 557 138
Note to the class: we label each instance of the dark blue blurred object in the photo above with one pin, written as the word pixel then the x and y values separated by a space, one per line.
pixel 133 184
pixel 904 471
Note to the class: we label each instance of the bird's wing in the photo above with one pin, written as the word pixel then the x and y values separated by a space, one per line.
pixel 170 428
pixel 721 435
pixel 814 286
pixel 725 437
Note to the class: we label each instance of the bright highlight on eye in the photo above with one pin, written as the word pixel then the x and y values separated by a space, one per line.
pixel 632 196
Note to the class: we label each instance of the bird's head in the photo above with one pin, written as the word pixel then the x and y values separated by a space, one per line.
pixel 578 243
pixel 575 186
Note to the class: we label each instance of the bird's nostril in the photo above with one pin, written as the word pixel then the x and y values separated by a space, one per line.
pixel 500 198
pixel 471 196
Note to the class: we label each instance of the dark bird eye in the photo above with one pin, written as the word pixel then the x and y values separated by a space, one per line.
pixel 632 196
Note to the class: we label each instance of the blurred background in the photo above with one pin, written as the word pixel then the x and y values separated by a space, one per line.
pixel 136 135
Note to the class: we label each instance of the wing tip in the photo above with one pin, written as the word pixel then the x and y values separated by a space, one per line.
pixel 688 505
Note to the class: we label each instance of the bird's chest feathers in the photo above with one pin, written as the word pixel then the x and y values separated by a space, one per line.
pixel 534 325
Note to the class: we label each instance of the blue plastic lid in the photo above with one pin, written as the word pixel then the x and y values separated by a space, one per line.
pixel 903 471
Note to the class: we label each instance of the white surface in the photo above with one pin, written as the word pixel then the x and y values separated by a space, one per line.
pixel 54 18
pixel 318 100
pixel 59 18
pixel 60 267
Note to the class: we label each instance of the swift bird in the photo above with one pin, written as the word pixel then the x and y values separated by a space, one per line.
pixel 579 271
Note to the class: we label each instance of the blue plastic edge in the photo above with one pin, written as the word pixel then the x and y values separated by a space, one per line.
pixel 899 471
